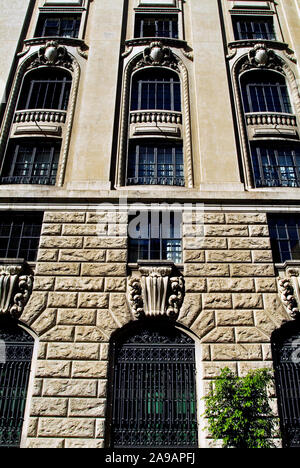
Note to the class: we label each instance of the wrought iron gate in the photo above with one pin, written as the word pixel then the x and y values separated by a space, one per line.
pixel 287 374
pixel 16 347
pixel 154 391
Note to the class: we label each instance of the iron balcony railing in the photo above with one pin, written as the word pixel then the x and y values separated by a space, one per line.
pixel 177 181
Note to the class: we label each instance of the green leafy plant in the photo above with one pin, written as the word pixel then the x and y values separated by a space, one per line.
pixel 238 410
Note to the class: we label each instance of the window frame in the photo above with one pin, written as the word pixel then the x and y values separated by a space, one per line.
pixel 171 18
pixel 11 223
pixel 48 16
pixel 10 166
pixel 156 235
pixel 269 20
pixel 134 153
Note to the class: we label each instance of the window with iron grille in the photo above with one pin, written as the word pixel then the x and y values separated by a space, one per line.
pixel 153 389
pixel 16 348
pixel 286 355
pixel 155 164
pixel 156 26
pixel 31 162
pixel 276 165
pixel 58 26
pixel 156 90
pixel 265 92
pixel 45 89
pixel 253 27
pixel 155 235
pixel 20 234
pixel 285 236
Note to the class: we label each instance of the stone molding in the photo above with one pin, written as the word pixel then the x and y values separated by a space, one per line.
pixel 156 293
pixel 15 288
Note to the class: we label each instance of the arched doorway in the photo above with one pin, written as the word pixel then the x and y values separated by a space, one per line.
pixel 286 354
pixel 152 388
pixel 16 348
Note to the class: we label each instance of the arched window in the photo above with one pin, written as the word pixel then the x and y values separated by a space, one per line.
pixel 286 354
pixel 16 348
pixel 156 90
pixel 45 89
pixel 265 92
pixel 153 390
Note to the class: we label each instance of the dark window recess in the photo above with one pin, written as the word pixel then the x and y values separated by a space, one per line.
pixel 276 165
pixel 153 164
pixel 160 26
pixel 253 27
pixel 45 89
pixel 286 353
pixel 16 348
pixel 285 236
pixel 264 92
pixel 159 90
pixel 58 26
pixel 154 390
pixel 20 235
pixel 31 162
pixel 155 235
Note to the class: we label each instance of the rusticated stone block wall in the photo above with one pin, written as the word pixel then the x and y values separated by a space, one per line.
pixel 231 303
pixel 78 301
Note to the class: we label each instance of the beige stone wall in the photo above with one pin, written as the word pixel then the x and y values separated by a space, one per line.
pixel 231 305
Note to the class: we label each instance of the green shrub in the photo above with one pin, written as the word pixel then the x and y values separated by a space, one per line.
pixel 238 410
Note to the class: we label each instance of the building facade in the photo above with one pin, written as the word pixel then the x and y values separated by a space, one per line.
pixel 149 216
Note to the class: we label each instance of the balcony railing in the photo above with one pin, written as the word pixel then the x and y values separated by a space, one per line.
pixel 280 176
pixel 34 180
pixel 40 115
pixel 153 116
pixel 172 181
pixel 271 118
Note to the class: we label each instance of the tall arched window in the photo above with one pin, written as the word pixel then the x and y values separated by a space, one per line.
pixel 265 92
pixel 153 389
pixel 45 89
pixel 16 348
pixel 286 354
pixel 156 90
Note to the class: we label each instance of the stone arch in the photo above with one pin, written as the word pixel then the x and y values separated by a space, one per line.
pixel 28 64
pixel 242 65
pixel 132 66
pixel 142 346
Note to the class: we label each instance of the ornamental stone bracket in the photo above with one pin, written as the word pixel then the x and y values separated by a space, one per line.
pixel 289 287
pixel 16 282
pixel 156 292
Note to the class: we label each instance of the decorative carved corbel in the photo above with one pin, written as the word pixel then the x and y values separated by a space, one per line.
pixel 157 55
pixel 15 288
pixel 289 290
pixel 53 54
pixel 156 293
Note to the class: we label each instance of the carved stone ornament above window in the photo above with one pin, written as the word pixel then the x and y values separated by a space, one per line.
pixel 157 293
pixel 262 57
pixel 157 55
pixel 53 54
pixel 15 288
pixel 289 288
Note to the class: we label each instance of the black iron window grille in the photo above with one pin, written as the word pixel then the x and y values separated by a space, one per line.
pixel 58 26
pixel 20 235
pixel 45 89
pixel 155 236
pixel 286 353
pixel 253 27
pixel 276 166
pixel 16 348
pixel 264 92
pixel 31 162
pixel 154 390
pixel 285 236
pixel 156 91
pixel 151 26
pixel 154 164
